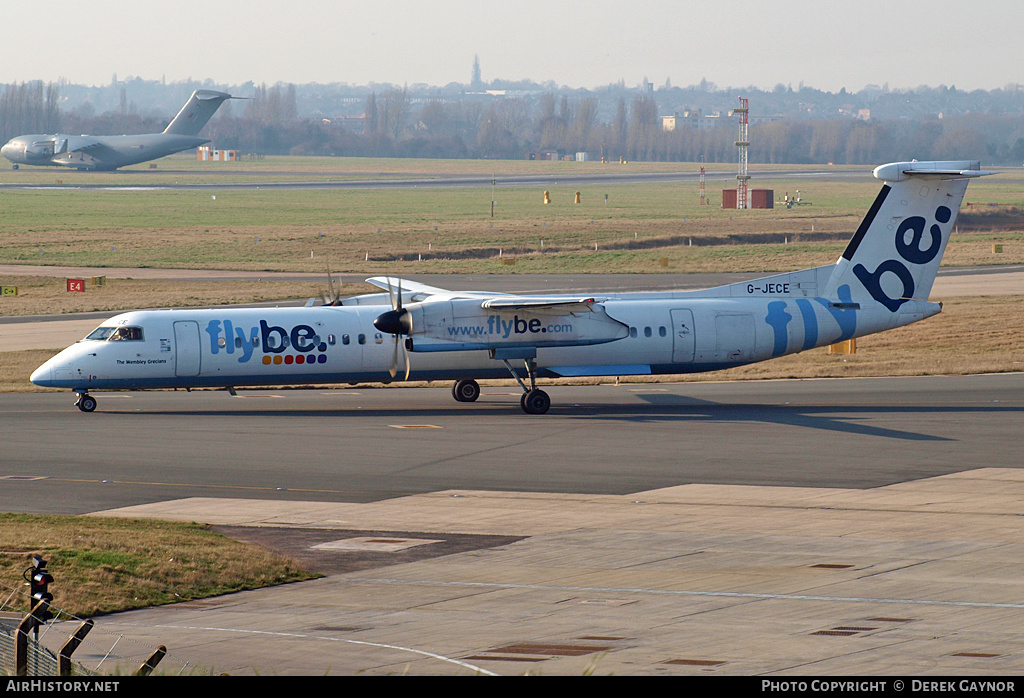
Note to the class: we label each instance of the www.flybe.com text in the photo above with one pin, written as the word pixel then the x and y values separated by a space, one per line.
pixel 505 328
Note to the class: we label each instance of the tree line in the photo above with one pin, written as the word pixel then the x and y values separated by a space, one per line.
pixel 397 122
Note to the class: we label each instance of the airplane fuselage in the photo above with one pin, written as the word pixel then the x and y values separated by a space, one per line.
pixel 95 152
pixel 112 152
pixel 284 346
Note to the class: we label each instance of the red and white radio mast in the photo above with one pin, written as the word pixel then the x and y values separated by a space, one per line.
pixel 741 143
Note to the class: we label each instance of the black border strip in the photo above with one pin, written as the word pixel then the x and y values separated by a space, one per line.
pixel 866 223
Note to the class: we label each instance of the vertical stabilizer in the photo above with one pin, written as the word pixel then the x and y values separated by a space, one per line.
pixel 196 112
pixel 896 251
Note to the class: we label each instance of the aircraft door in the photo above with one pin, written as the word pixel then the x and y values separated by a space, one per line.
pixel 682 336
pixel 186 348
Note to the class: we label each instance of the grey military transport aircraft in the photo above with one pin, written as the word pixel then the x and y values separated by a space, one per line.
pixel 111 152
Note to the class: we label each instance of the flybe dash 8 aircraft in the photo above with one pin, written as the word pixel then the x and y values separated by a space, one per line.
pixel 111 152
pixel 412 331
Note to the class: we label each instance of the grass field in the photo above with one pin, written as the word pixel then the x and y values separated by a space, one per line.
pixel 105 565
pixel 451 230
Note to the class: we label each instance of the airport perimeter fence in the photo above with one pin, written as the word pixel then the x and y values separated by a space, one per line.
pixel 99 653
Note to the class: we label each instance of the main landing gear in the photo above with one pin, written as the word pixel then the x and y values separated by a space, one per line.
pixel 534 400
pixel 466 390
pixel 86 402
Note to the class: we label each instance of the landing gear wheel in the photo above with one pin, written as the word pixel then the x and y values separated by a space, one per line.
pixel 535 402
pixel 86 403
pixel 466 390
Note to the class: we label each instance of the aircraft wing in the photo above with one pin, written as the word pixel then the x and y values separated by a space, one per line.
pixel 422 291
pixel 95 147
pixel 489 300
pixel 84 144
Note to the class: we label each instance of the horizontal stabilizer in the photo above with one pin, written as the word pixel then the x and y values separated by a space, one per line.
pixel 944 169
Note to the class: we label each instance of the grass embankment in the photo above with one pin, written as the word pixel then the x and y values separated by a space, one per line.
pixel 47 295
pixel 106 565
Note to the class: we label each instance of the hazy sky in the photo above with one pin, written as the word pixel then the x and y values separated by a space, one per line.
pixel 732 43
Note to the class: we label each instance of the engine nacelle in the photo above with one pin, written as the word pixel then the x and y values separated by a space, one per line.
pixel 464 324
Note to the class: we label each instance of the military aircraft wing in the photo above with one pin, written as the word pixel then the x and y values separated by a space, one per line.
pixel 83 144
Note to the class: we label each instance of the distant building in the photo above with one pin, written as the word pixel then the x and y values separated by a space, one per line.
pixel 475 83
pixel 205 153
pixel 692 118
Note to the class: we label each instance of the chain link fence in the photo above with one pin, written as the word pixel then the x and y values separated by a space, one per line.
pixel 99 652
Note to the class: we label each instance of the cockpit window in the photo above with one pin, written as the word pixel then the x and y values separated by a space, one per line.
pixel 101 333
pixel 116 334
pixel 130 334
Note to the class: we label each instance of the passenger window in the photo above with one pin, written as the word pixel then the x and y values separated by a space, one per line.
pixel 221 342
pixel 330 339
pixel 647 332
pixel 345 339
pixel 662 332
pixel 238 342
pixel 362 339
pixel 632 332
pixel 378 338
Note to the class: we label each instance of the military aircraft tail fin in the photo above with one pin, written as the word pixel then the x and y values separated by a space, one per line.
pixel 896 251
pixel 196 112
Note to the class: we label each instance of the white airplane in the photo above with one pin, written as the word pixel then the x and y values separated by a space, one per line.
pixel 421 332
pixel 111 152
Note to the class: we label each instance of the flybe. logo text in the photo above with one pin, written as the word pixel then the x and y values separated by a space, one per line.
pixel 269 339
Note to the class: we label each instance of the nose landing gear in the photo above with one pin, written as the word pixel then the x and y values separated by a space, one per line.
pixel 86 402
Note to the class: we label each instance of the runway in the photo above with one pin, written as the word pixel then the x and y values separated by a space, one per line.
pixel 364 444
pixel 346 180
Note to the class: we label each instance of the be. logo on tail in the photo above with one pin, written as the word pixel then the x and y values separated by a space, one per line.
pixel 911 251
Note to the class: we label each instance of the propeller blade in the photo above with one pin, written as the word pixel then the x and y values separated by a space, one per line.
pixel 397 321
pixel 391 294
pixel 394 359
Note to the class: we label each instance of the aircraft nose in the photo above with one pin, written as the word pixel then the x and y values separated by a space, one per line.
pixel 42 375
pixel 12 149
